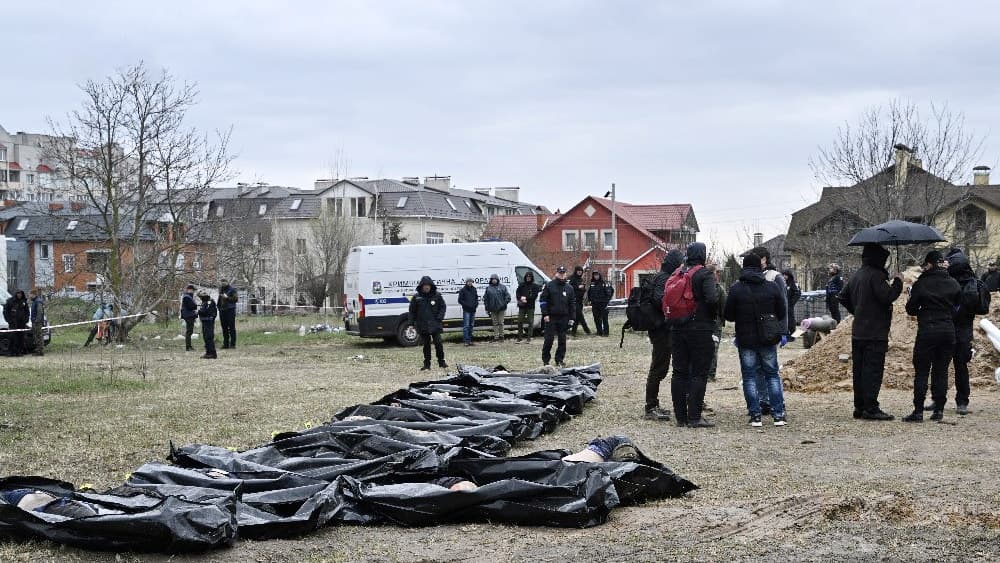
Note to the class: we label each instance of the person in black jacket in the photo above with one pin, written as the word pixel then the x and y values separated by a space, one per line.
pixel 600 293
pixel 749 299
pixel 580 289
pixel 933 300
pixel 692 344
pixel 189 314
pixel 228 296
pixel 793 293
pixel 558 304
pixel 468 298
pixel 660 336
pixel 834 287
pixel 17 312
pixel 992 277
pixel 427 311
pixel 869 298
pixel 206 314
pixel 527 294
pixel 959 268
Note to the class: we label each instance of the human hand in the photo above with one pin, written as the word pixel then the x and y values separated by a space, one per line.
pixel 716 339
pixel 545 318
pixel 784 340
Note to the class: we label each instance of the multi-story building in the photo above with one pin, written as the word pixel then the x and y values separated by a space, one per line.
pixel 25 173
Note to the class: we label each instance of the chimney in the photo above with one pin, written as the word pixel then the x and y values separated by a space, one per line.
pixel 981 175
pixel 510 193
pixel 55 207
pixel 902 159
pixel 758 239
pixel 483 191
pixel 411 180
pixel 540 218
pixel 438 182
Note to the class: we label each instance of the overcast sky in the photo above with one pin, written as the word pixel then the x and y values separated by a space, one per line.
pixel 720 104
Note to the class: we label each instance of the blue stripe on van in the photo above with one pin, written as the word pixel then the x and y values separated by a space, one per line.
pixel 383 300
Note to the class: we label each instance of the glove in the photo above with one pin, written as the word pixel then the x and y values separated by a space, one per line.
pixel 784 340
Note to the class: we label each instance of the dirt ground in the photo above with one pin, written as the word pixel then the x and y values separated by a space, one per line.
pixel 826 487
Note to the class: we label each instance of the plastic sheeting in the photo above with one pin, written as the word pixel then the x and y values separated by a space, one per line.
pixel 371 464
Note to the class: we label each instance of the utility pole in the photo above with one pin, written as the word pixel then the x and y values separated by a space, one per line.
pixel 614 243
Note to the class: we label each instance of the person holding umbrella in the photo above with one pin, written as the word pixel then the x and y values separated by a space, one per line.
pixel 869 298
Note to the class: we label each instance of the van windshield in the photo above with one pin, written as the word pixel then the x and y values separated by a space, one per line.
pixel 520 271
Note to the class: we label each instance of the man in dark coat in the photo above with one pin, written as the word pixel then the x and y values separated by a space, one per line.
pixel 934 298
pixel 468 298
pixel 189 314
pixel 427 311
pixel 527 295
pixel 834 288
pixel 869 298
pixel 660 338
pixel 37 316
pixel 558 303
pixel 992 277
pixel 495 301
pixel 580 289
pixel 959 268
pixel 692 344
pixel 793 293
pixel 749 299
pixel 17 312
pixel 228 296
pixel 600 293
pixel 206 314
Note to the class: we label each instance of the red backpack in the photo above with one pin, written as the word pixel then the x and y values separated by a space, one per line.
pixel 678 296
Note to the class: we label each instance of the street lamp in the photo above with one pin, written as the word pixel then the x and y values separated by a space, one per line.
pixel 614 240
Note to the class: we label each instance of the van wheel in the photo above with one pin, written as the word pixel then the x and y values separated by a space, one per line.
pixel 406 334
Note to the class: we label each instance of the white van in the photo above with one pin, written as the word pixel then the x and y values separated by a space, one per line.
pixel 380 280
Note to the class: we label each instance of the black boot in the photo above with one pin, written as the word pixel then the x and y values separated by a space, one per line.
pixel 427 366
pixel 916 416
pixel 442 363
pixel 938 414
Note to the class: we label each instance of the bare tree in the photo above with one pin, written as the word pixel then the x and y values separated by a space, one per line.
pixel 320 252
pixel 144 173
pixel 244 245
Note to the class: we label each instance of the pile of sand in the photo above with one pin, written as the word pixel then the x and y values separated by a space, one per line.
pixel 820 369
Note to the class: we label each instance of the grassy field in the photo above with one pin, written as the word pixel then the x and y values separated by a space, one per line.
pixel 826 487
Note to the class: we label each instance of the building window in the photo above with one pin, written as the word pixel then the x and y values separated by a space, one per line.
pixel 22 224
pixel 69 263
pixel 435 238
pixel 450 204
pixel 970 224
pixel 296 203
pixel 300 247
pixel 570 240
pixel 30 178
pixel 401 203
pixel 72 225
pixel 220 211
pixel 262 209
pixel 196 263
pixel 97 261
pixel 256 239
pixel 468 204
pixel 14 176
pixel 358 207
pixel 589 239
pixel 607 239
pixel 44 251
pixel 3 154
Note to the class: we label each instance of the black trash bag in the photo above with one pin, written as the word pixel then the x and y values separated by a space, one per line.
pixel 123 519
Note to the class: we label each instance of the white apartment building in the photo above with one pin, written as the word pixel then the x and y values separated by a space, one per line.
pixel 24 173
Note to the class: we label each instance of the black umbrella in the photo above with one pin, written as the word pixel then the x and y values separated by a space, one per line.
pixel 897 233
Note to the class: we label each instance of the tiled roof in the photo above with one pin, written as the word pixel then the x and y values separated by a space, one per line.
pixel 426 203
pixel 515 228
pixel 12 165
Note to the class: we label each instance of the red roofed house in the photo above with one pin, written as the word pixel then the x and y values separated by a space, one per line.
pixel 582 236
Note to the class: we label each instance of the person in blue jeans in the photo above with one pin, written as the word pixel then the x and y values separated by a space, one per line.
pixel 468 298
pixel 750 299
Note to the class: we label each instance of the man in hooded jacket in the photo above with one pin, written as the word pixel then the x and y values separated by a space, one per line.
pixel 869 298
pixel 527 294
pixel 692 344
pixel 427 312
pixel 960 269
pixel 750 298
pixel 660 338
pixel 17 312
pixel 580 290
pixel 599 293
pixel 495 300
